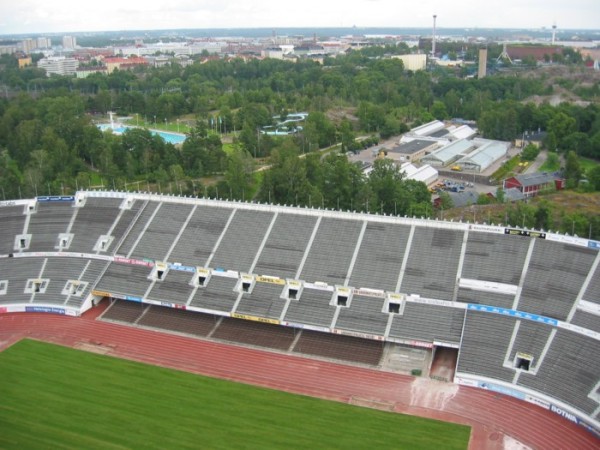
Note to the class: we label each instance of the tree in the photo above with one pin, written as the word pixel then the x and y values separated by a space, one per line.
pixel 573 170
pixel 594 177
pixel 543 216
pixel 500 195
pixel 340 182
pixel 286 181
pixel 530 152
pixel 438 110
pixel 561 125
pixel 239 174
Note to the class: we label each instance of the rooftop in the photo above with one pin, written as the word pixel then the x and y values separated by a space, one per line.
pixel 412 147
pixel 534 179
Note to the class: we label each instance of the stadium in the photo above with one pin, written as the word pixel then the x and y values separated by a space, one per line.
pixel 486 317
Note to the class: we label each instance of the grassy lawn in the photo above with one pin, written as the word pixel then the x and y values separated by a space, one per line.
pixel 588 164
pixel 55 397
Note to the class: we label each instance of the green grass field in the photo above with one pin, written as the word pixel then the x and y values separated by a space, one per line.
pixel 60 398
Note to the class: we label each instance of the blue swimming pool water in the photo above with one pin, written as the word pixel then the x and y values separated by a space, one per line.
pixel 172 138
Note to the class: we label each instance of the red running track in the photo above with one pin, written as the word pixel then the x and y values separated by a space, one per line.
pixel 497 421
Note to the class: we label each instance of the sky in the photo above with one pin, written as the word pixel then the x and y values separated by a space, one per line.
pixel 55 16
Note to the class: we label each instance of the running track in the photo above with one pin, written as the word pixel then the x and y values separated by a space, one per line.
pixel 493 417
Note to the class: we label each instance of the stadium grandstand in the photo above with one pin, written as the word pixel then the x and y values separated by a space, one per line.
pixel 518 310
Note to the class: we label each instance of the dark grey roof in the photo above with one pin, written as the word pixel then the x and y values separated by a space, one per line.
pixel 439 133
pixel 412 147
pixel 534 179
pixel 513 195
pixel 463 198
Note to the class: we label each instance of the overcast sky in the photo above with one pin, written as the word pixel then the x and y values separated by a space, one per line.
pixel 48 16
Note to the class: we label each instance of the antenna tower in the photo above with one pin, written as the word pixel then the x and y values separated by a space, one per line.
pixel 553 33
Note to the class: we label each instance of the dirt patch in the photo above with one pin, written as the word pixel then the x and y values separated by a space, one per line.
pixel 94 348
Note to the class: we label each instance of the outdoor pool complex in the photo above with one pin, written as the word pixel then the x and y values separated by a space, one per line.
pixel 171 138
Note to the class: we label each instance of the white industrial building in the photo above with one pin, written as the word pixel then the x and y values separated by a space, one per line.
pixel 462 132
pixel 427 129
pixel 449 153
pixel 426 173
pixel 484 156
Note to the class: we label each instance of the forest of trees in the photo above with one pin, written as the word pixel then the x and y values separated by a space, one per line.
pixel 49 143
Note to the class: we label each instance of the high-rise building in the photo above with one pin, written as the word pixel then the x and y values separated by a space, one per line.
pixel 27 45
pixel 69 42
pixel 43 42
pixel 482 70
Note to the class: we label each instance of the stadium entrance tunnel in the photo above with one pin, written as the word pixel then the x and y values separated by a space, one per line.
pixel 443 364
pixel 523 361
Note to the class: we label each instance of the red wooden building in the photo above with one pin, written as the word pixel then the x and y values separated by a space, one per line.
pixel 531 184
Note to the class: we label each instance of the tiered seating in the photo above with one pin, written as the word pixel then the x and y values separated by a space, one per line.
pixel 58 271
pixel 495 257
pixel 263 302
pixel 242 240
pixel 586 320
pixel 531 339
pixel 569 372
pixel 127 312
pixel 162 231
pixel 174 288
pixel 428 323
pixel 485 298
pixel 93 220
pixel 592 293
pixel 137 228
pixel 51 219
pixel 484 345
pixel 346 348
pixel 255 333
pixel 13 221
pixel 380 256
pixel 17 271
pixel 555 275
pixel 286 245
pixel 218 295
pixel 313 308
pixel 124 222
pixel 364 315
pixel 200 236
pixel 125 279
pixel 331 251
pixel 178 320
pixel 433 263
pixel 91 273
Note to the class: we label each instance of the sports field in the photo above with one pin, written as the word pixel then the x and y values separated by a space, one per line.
pixel 56 397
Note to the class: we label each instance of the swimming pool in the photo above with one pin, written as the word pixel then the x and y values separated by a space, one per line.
pixel 171 138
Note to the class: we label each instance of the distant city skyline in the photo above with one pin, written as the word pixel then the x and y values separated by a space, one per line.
pixel 69 16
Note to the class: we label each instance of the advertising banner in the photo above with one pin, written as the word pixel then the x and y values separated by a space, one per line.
pixel 255 318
